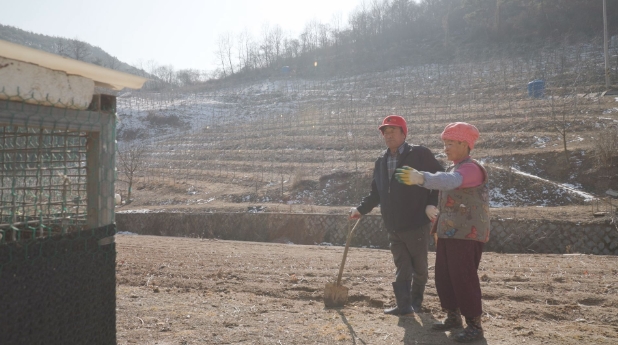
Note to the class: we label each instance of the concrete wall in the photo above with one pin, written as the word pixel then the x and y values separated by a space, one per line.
pixel 25 82
pixel 507 235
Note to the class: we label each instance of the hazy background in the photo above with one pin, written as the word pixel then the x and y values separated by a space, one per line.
pixel 182 33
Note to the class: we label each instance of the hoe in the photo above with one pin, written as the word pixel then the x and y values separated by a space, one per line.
pixel 336 295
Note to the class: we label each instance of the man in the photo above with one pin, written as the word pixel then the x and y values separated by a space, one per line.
pixel 462 228
pixel 406 211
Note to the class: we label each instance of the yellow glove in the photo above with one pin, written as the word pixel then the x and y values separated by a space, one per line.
pixel 409 176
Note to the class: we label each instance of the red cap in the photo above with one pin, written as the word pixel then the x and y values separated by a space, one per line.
pixel 395 121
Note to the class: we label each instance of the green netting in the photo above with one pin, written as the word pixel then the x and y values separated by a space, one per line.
pixel 57 255
pixel 43 184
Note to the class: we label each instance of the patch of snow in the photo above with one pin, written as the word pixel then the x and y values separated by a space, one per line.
pixel 541 141
pixel 126 233
pixel 566 187
pixel 577 139
pixel 572 186
pixel 497 199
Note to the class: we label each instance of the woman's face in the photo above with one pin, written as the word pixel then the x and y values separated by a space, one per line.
pixel 455 150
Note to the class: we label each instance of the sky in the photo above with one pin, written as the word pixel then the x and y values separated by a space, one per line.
pixel 181 33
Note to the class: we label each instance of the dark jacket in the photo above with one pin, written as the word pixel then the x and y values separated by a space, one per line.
pixel 402 206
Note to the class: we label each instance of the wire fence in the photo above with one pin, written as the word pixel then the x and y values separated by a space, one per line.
pixel 43 183
pixel 57 254
pixel 287 128
pixel 55 163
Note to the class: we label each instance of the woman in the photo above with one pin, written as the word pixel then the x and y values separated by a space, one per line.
pixel 462 225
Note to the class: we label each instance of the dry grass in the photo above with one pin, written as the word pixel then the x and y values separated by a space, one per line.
pixel 606 147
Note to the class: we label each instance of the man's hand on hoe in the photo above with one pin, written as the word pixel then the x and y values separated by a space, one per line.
pixel 354 214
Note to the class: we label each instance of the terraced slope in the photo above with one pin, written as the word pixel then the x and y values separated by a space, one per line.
pixel 313 142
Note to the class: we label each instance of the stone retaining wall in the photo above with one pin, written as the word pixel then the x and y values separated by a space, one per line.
pixel 507 235
pixel 535 236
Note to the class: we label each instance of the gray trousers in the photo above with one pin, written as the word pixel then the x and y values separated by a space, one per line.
pixel 409 249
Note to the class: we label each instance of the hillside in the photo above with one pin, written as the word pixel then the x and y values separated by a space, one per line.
pixel 291 143
pixel 68 47
pixel 384 34
pixel 307 141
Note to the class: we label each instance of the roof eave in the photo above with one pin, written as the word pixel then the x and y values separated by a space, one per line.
pixel 100 75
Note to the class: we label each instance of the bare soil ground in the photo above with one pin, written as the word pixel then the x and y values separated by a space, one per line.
pixel 204 291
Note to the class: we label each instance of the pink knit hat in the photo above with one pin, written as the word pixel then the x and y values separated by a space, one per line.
pixel 461 131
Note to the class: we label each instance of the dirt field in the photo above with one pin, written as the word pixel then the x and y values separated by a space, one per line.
pixel 202 291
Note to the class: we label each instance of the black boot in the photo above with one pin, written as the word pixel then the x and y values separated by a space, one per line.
pixel 453 320
pixel 417 297
pixel 473 331
pixel 402 295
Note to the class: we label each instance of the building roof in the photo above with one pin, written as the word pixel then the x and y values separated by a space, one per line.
pixel 101 76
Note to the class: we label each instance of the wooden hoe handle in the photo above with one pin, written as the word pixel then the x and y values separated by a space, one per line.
pixel 345 251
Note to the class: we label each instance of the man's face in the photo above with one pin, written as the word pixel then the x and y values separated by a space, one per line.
pixel 455 150
pixel 393 137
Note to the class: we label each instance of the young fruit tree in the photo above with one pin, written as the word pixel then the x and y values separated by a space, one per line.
pixel 130 160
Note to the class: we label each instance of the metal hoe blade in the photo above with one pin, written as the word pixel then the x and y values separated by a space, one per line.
pixel 335 294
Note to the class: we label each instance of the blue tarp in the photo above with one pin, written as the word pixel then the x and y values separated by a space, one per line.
pixel 536 88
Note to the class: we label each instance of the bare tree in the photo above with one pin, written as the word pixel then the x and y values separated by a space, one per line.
pixel 562 126
pixel 292 48
pixel 112 62
pixel 130 160
pixel 324 35
pixel 188 77
pixel 229 47
pixel 359 19
pixel 337 23
pixel 255 57
pixel 277 38
pixel 244 50
pixel 377 16
pixel 165 74
pixel 312 32
pixel 150 66
pixel 267 45
pixel 61 48
pixel 79 50
pixel 223 54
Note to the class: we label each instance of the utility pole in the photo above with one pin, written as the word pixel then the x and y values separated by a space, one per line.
pixel 605 44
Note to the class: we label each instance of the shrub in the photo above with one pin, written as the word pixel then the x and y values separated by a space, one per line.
pixel 606 147
pixel 163 120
